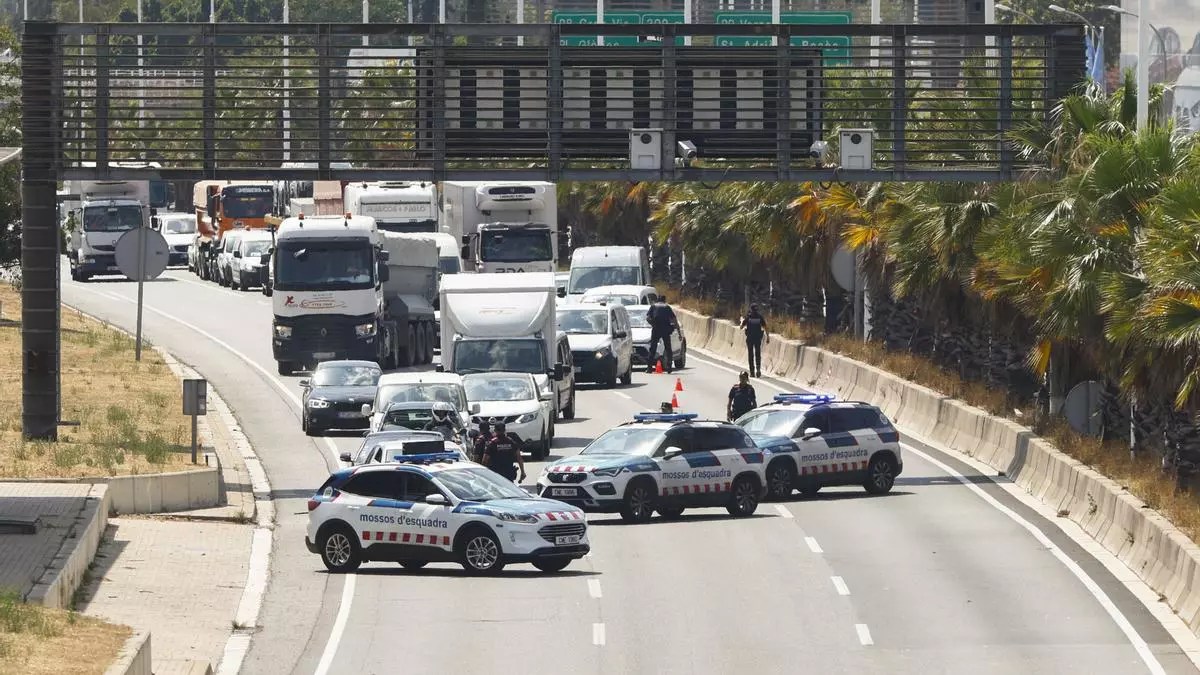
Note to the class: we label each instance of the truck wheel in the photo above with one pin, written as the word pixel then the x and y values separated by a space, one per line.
pixel 419 346
pixel 410 352
pixel 431 338
pixel 568 412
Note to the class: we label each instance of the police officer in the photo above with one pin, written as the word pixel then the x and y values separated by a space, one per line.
pixel 663 323
pixel 502 454
pixel 442 421
pixel 755 327
pixel 481 441
pixel 742 398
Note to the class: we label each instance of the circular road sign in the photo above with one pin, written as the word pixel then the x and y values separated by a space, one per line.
pixel 142 242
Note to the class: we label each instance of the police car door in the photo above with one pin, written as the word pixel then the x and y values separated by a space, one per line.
pixel 672 456
pixel 425 524
pixel 814 455
pixel 724 445
pixel 378 516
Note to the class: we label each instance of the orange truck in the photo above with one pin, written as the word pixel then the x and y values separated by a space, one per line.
pixel 222 206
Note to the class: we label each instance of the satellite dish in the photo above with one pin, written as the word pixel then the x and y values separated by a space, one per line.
pixel 842 266
pixel 1083 408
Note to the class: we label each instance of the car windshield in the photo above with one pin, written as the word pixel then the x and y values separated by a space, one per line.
pixel 309 264
pixel 409 392
pixel 513 355
pixel 408 418
pixel 247 202
pixel 179 226
pixel 252 249
pixel 637 318
pixel 112 218
pixel 612 299
pixel 516 245
pixel 584 279
pixel 771 422
pixel 346 376
pixel 583 321
pixel 480 485
pixel 625 441
pixel 490 388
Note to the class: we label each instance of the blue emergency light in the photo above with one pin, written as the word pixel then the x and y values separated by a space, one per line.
pixel 811 399
pixel 431 458
pixel 664 417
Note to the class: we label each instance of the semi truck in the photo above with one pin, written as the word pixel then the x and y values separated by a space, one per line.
pixel 405 207
pixel 504 226
pixel 105 211
pixel 222 206
pixel 342 289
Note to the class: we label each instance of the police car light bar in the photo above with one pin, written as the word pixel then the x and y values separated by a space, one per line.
pixel 426 459
pixel 803 398
pixel 664 417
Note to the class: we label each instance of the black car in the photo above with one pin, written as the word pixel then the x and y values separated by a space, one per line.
pixel 334 397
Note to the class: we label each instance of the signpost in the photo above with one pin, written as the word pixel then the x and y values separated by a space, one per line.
pixel 142 255
pixel 836 48
pixel 195 403
pixel 626 18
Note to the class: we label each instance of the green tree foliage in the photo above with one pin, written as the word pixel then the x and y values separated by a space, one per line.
pixel 10 174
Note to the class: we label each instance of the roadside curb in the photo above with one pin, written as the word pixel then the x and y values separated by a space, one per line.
pixel 134 657
pixel 58 582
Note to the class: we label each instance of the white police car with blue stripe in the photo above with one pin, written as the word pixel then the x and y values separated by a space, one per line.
pixel 436 508
pixel 813 441
pixel 664 463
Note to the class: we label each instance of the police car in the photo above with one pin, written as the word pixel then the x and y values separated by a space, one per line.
pixel 813 441
pixel 664 463
pixel 390 446
pixel 436 508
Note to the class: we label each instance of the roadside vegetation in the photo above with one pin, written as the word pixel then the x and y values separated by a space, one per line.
pixel 34 640
pixel 130 414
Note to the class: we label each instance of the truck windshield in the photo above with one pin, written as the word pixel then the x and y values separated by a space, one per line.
pixel 247 202
pixel 516 245
pixel 410 226
pixel 448 265
pixel 323 265
pixel 515 355
pixel 584 279
pixel 160 193
pixel 112 218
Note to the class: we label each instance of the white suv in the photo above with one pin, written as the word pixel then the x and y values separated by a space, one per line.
pixel 812 441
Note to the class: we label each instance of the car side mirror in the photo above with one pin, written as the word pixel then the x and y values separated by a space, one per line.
pixel 464 252
pixel 345 457
pixel 305 383
pixel 237 254
pixel 436 500
pixel 672 452
pixel 811 432
pixel 558 373
pixel 367 409
pixel 384 256
pixel 474 409
pixel 264 259
pixel 384 273
pixel 562 292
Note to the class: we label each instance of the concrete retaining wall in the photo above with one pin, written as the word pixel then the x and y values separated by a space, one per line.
pixel 59 581
pixel 134 658
pixel 1162 556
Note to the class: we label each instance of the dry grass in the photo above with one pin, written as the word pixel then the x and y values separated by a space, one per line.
pixel 129 413
pixel 1143 475
pixel 39 641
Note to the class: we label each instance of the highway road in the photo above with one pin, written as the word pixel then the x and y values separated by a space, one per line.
pixel 940 576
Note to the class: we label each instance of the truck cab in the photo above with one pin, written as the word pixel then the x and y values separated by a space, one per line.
pixel 504 226
pixel 107 210
pixel 395 206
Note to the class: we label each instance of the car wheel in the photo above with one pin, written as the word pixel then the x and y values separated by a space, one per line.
pixel 780 479
pixel 413 564
pixel 84 276
pixel 568 412
pixel 881 476
pixel 551 566
pixel 638 505
pixel 627 378
pixel 681 362
pixel 284 367
pixel 340 550
pixel 479 552
pixel 744 498
pixel 669 512
pixel 542 449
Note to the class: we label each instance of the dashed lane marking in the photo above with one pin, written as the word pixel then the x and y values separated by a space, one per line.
pixel 594 588
pixel 783 511
pixel 598 634
pixel 864 634
pixel 840 584
pixel 813 545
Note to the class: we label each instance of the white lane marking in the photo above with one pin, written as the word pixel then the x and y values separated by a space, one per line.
pixel 718 366
pixel 1092 587
pixel 597 636
pixel 623 395
pixel 221 289
pixel 348 585
pixel 864 634
pixel 594 588
pixel 783 511
pixel 840 584
pixel 1098 593
pixel 813 545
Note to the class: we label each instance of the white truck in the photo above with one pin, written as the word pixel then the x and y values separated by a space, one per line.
pixel 105 211
pixel 504 226
pixel 594 266
pixel 404 207
pixel 501 322
pixel 341 289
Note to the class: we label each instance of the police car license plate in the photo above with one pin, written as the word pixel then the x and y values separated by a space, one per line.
pixel 324 355
pixel 114 268
pixel 562 492
pixel 566 541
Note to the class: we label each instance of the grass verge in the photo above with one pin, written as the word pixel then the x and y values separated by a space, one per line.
pixel 1142 475
pixel 35 640
pixel 129 413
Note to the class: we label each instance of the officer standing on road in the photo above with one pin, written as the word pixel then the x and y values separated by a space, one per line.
pixel 502 454
pixel 481 441
pixel 742 398
pixel 663 323
pixel 755 327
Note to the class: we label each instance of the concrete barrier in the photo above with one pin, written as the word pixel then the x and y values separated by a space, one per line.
pixel 134 657
pixel 1146 542
pixel 66 571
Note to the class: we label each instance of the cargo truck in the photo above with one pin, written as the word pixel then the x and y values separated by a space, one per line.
pixel 504 226
pixel 222 206
pixel 105 211
pixel 341 289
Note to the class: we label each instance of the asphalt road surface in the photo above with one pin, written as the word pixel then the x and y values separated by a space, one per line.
pixel 932 578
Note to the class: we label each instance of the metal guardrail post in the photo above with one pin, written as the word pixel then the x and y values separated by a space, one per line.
pixel 40 319
pixel 1006 103
pixel 208 112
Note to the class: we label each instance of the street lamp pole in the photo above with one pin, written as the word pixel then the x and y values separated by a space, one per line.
pixel 1001 7
pixel 1143 58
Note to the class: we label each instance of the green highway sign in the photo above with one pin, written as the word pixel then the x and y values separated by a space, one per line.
pixel 614 18
pixel 836 48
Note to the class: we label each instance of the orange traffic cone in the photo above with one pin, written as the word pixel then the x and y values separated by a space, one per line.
pixel 658 367
pixel 674 402
pixel 678 384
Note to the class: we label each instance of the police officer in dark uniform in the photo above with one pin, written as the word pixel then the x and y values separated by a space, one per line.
pixel 663 323
pixel 502 454
pixel 742 398
pixel 481 441
pixel 755 327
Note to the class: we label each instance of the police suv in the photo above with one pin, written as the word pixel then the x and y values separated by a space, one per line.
pixel 812 441
pixel 664 463
pixel 437 508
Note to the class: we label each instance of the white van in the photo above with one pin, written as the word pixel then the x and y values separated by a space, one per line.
pixel 593 266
